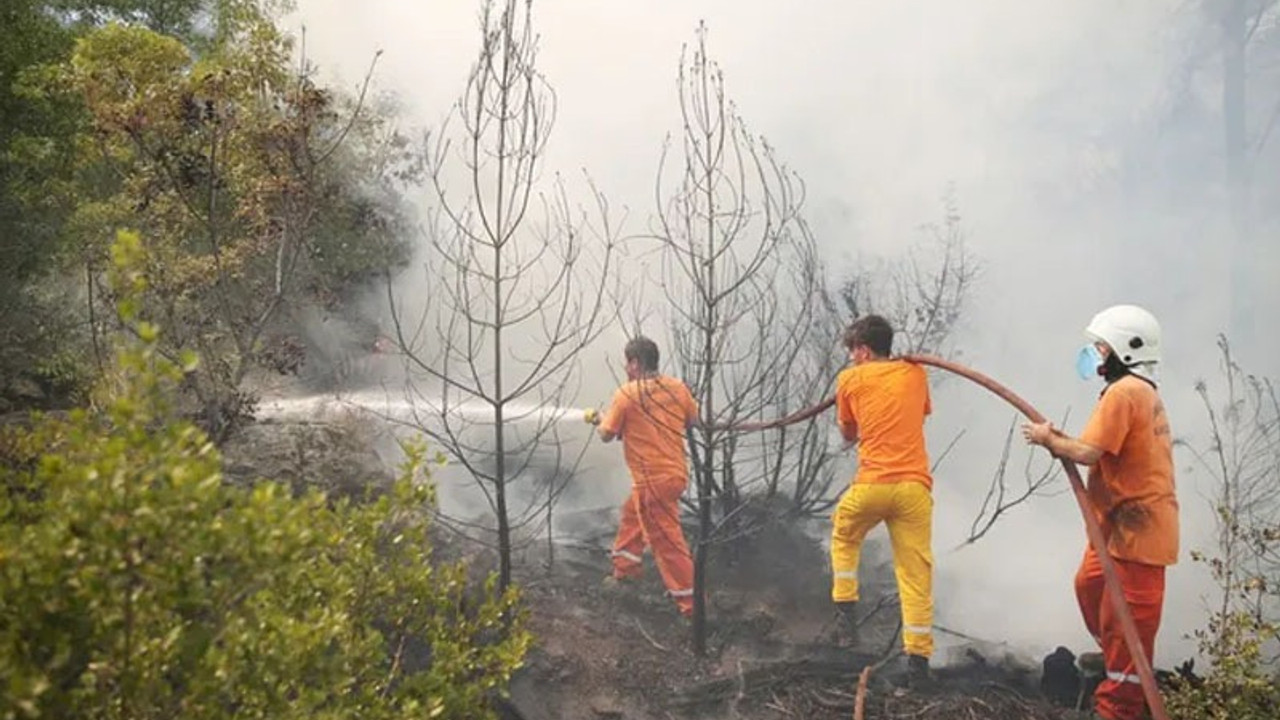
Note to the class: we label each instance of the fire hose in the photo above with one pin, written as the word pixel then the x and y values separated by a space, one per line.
pixel 1094 531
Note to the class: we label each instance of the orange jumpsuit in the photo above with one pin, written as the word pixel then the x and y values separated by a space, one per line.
pixel 888 401
pixel 650 415
pixel 1132 489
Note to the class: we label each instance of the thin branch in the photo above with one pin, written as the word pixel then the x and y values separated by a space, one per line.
pixel 997 501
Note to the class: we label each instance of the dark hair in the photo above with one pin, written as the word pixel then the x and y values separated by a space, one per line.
pixel 872 331
pixel 643 349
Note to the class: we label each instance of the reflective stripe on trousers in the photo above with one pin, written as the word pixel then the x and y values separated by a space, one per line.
pixel 651 518
pixel 1119 696
pixel 1123 678
pixel 907 509
pixel 627 556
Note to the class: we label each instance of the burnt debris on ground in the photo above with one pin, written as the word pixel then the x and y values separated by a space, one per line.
pixel 773 653
pixel 973 686
pixel 625 653
pixel 988 701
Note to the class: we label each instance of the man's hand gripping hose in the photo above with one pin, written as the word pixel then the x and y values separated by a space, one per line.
pixel 1145 674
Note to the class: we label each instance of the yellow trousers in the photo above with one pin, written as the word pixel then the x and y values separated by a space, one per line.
pixel 907 509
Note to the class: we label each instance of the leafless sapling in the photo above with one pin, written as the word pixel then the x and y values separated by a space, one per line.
pixel 515 276
pixel 728 225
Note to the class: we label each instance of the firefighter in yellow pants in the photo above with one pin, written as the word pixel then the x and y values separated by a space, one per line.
pixel 881 405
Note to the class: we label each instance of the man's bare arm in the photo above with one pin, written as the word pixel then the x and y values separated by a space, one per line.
pixel 1060 444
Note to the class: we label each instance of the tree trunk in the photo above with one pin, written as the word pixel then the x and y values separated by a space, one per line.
pixel 499 242
pixel 709 378
pixel 93 317
pixel 702 475
pixel 1238 172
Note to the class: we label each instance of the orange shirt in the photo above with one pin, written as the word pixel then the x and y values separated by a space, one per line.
pixel 888 399
pixel 650 416
pixel 1132 485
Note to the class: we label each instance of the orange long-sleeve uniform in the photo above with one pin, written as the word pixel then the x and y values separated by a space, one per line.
pixel 888 400
pixel 1133 493
pixel 650 415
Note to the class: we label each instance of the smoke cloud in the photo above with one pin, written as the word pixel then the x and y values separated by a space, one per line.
pixel 1082 142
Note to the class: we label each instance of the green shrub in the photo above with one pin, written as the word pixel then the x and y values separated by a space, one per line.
pixel 134 583
pixel 1241 684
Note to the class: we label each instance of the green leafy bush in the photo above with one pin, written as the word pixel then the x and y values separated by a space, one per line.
pixel 134 583
pixel 1242 684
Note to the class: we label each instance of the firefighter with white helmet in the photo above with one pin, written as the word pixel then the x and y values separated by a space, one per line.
pixel 1133 336
pixel 1128 447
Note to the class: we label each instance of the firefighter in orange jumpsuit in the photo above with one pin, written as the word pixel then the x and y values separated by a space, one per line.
pixel 881 404
pixel 1128 448
pixel 650 413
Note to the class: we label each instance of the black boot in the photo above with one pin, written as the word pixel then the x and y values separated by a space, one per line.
pixel 847 623
pixel 918 671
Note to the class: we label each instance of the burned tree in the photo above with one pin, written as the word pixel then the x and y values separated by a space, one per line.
pixel 1243 459
pixel 753 327
pixel 922 293
pixel 492 351
pixel 1248 27
pixel 731 233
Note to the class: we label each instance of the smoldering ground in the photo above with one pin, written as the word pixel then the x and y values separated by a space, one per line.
pixel 1083 145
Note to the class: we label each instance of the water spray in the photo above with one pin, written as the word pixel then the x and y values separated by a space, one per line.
pixel 403 408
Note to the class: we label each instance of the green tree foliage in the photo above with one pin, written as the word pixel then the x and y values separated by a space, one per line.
pixel 134 583
pixel 37 154
pixel 29 37
pixel 199 23
pixel 1242 683
pixel 35 34
pixel 270 191
pixel 232 157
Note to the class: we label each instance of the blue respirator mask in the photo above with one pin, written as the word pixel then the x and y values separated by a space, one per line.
pixel 1088 361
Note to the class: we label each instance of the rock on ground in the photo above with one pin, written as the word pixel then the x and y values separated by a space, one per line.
pixel 340 458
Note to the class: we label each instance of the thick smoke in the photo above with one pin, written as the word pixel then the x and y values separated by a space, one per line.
pixel 1083 144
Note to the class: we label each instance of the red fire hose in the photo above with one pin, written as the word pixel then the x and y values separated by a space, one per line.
pixel 1154 702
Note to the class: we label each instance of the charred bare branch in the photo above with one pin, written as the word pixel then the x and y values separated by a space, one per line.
pixel 1243 458
pixel 738 271
pixel 1000 498
pixel 518 276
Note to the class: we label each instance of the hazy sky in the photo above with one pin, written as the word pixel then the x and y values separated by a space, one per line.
pixel 1074 134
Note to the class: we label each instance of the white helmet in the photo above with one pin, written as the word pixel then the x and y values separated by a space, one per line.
pixel 1133 335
